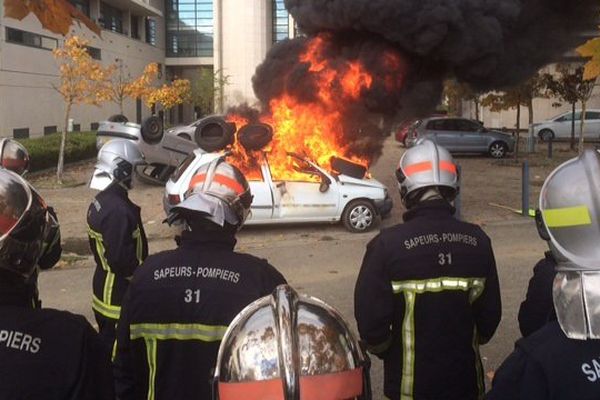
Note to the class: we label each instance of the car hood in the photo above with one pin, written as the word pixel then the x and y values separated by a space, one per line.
pixel 508 136
pixel 373 183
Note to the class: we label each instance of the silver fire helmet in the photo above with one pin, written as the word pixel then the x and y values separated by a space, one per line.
pixel 14 156
pixel 24 224
pixel 117 160
pixel 426 165
pixel 569 219
pixel 219 192
pixel 290 347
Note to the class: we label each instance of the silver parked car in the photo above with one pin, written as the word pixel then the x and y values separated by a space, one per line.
pixel 461 135
pixel 560 126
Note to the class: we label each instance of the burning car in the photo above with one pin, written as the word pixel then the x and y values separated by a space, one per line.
pixel 311 194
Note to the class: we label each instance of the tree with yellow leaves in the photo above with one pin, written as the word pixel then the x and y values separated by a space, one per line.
pixel 82 81
pixel 123 86
pixel 169 95
pixel 591 50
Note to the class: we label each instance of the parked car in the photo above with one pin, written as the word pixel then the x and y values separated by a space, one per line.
pixel 560 126
pixel 402 130
pixel 461 135
pixel 164 150
pixel 332 197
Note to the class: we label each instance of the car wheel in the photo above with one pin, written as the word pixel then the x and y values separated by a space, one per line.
pixel 152 130
pixel 118 118
pixel 498 149
pixel 359 216
pixel 546 135
pixel 214 134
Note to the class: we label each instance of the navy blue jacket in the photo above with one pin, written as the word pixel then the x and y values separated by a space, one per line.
pixel 119 245
pixel 175 313
pixel 48 354
pixel 548 365
pixel 538 308
pixel 427 295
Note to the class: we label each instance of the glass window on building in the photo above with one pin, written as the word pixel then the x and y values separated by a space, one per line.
pixel 94 52
pixel 82 5
pixel 281 21
pixel 111 18
pixel 150 31
pixel 30 39
pixel 135 27
pixel 190 28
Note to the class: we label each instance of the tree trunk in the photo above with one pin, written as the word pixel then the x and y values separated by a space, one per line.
pixel 518 135
pixel 121 106
pixel 573 127
pixel 476 101
pixel 530 138
pixel 61 152
pixel 582 128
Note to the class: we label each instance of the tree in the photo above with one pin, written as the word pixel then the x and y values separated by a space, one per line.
pixel 207 90
pixel 169 95
pixel 82 81
pixel 570 86
pixel 123 86
pixel 515 97
pixel 55 15
pixel 454 95
pixel 591 50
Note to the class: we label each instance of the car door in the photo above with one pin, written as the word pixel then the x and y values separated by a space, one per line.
pixel 592 125
pixel 260 183
pixel 471 136
pixel 449 136
pixel 563 125
pixel 306 198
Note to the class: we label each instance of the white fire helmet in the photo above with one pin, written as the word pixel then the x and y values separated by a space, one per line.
pixel 219 192
pixel 426 165
pixel 290 347
pixel 569 219
pixel 117 160
pixel 14 156
pixel 25 224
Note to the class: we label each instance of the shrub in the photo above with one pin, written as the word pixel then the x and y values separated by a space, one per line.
pixel 43 151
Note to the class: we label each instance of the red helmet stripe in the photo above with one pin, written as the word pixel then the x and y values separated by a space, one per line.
pixel 448 166
pixel 418 167
pixel 271 389
pixel 222 179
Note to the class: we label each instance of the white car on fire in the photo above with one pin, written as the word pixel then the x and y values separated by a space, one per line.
pixel 323 196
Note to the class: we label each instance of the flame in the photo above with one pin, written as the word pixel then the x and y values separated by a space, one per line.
pixel 314 129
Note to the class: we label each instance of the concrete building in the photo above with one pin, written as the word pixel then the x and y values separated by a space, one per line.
pixel 183 36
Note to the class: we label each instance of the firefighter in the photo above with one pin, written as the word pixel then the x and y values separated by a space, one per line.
pixel 320 357
pixel 15 157
pixel 115 231
pixel 561 361
pixel 427 294
pixel 181 301
pixel 44 353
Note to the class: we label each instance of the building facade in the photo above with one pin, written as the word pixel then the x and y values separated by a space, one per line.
pixel 182 36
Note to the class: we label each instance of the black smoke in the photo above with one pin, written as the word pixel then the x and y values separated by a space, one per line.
pixel 488 44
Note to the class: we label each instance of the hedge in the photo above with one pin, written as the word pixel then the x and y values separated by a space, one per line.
pixel 43 151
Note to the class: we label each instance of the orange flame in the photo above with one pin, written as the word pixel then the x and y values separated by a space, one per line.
pixel 314 129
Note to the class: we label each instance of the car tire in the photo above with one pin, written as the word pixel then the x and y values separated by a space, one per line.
pixel 152 130
pixel 214 134
pixel 359 216
pixel 254 137
pixel 118 118
pixel 546 135
pixel 348 167
pixel 498 149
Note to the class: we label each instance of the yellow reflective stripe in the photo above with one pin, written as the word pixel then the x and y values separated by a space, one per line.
pixel 109 281
pixel 567 216
pixel 151 357
pixel 99 247
pixel 478 366
pixel 139 253
pixel 107 310
pixel 475 286
pixel 205 333
pixel 408 347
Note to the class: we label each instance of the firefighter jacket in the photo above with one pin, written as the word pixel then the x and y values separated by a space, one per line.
pixel 426 296
pixel 548 365
pixel 118 243
pixel 175 313
pixel 48 354
pixel 538 307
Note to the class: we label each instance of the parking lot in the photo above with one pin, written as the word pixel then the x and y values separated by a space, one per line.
pixel 323 260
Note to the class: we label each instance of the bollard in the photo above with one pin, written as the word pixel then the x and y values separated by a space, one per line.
pixel 550 148
pixel 458 200
pixel 525 189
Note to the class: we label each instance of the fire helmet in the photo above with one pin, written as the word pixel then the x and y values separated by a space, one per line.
pixel 117 160
pixel 569 219
pixel 219 192
pixel 25 224
pixel 290 347
pixel 424 166
pixel 14 156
